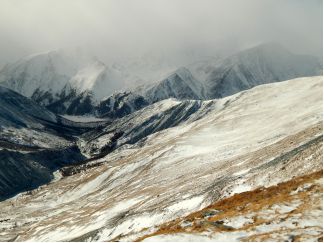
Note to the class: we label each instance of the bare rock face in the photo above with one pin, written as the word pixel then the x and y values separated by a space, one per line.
pixel 33 144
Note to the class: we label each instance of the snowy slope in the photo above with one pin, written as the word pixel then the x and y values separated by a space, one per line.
pixel 45 71
pixel 254 139
pixel 290 211
pixel 140 124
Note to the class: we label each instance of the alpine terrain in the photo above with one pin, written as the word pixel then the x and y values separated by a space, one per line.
pixel 220 149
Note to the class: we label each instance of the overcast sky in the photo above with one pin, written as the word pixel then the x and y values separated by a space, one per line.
pixel 113 27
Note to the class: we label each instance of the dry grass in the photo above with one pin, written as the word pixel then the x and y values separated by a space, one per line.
pixel 250 202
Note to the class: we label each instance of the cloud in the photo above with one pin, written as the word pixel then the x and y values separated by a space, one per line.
pixel 131 27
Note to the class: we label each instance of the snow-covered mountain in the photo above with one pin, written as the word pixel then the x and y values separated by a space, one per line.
pixel 257 138
pixel 75 84
pixel 181 84
pixel 64 82
pixel 262 64
pixel 195 136
pixel 215 78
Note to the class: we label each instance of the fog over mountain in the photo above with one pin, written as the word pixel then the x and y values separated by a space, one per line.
pixel 178 30
pixel 161 120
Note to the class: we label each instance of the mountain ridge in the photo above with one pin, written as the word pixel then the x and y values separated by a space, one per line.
pixel 235 147
pixel 89 87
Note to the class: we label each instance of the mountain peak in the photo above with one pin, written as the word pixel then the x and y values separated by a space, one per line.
pixel 49 76
pixel 265 63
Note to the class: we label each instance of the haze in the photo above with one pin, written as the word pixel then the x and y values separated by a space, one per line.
pixel 120 28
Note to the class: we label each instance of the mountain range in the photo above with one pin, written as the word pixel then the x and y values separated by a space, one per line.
pixel 79 85
pixel 197 154
pixel 251 155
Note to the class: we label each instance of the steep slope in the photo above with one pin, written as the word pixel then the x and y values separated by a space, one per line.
pixel 20 114
pixel 180 85
pixel 260 137
pixel 138 125
pixel 33 143
pixel 17 110
pixel 216 78
pixel 46 71
pixel 77 85
pixel 120 104
pixel 262 64
pixel 65 83
pixel 25 168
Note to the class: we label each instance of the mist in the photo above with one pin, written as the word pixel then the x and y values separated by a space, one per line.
pixel 120 28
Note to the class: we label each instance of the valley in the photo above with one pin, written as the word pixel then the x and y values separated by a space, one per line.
pixel 159 174
pixel 161 121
